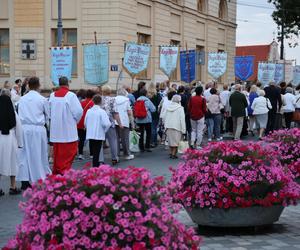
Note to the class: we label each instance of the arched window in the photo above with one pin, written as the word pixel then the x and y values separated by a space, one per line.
pixel 223 12
pixel 201 6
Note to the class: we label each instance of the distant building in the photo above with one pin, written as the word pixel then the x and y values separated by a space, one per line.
pixel 28 29
pixel 262 53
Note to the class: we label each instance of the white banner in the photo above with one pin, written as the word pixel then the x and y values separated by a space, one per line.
pixel 168 58
pixel 296 79
pixel 266 73
pixel 279 73
pixel 217 64
pixel 289 74
pixel 136 58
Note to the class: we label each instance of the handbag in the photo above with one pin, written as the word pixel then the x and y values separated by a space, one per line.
pixel 183 146
pixel 134 142
pixel 296 116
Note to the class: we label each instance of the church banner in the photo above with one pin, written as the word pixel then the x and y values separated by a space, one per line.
pixel 279 73
pixel 296 79
pixel 168 57
pixel 61 63
pixel 217 64
pixel 266 72
pixel 188 66
pixel 136 58
pixel 96 63
pixel 244 67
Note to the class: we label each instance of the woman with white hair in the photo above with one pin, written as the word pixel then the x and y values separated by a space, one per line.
pixel 289 107
pixel 123 108
pixel 261 106
pixel 174 124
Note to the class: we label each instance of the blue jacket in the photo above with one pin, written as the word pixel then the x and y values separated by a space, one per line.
pixel 252 96
pixel 150 109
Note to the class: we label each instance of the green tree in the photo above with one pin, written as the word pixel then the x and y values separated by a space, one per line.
pixel 287 17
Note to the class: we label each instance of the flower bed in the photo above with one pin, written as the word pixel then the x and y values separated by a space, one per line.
pixel 232 175
pixel 287 144
pixel 100 208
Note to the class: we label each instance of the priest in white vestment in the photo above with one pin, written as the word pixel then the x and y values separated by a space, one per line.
pixel 33 111
pixel 65 113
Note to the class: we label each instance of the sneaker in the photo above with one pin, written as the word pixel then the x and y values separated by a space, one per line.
pixel 199 147
pixel 80 157
pixel 209 140
pixel 129 157
pixel 220 139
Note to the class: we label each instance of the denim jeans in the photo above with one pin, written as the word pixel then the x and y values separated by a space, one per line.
pixel 214 126
pixel 154 126
pixel 217 118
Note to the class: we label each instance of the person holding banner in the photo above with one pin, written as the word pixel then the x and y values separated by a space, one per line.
pixel 144 122
pixel 289 107
pixel 238 103
pixel 273 94
pixel 65 113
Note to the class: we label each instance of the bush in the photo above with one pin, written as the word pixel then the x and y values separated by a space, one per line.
pixel 287 144
pixel 232 174
pixel 100 208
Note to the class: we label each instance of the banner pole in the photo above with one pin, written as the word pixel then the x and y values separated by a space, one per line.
pixel 132 80
pixel 188 62
pixel 95 37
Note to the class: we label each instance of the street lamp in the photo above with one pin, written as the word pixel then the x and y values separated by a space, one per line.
pixel 59 24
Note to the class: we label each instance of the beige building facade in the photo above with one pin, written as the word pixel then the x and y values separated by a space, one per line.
pixel 28 30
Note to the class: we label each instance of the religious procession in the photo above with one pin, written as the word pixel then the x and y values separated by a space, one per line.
pixel 152 145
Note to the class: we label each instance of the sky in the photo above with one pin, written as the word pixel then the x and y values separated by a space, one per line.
pixel 256 26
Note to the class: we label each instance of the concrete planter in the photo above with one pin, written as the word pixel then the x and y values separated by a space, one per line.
pixel 236 217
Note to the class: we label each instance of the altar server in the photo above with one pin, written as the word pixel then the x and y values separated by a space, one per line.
pixel 33 111
pixel 97 123
pixel 65 113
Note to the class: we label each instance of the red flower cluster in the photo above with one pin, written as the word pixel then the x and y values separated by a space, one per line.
pixel 232 174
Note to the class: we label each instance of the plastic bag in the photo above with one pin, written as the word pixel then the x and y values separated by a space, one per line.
pixel 183 146
pixel 134 142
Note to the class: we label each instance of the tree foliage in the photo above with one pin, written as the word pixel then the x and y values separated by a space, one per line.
pixel 287 13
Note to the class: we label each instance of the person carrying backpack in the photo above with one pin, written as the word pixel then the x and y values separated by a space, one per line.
pixel 142 110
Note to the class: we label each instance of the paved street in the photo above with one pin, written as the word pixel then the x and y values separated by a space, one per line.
pixel 285 234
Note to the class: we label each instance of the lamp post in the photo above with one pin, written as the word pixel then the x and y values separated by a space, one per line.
pixel 59 24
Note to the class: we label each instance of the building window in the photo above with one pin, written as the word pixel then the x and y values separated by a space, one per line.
pixel 201 6
pixel 223 9
pixel 4 52
pixel 69 39
pixel 144 39
pixel 175 76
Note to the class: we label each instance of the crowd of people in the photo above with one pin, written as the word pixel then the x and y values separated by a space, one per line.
pixel 36 130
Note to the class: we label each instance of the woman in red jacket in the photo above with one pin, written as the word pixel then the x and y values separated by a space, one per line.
pixel 86 104
pixel 197 110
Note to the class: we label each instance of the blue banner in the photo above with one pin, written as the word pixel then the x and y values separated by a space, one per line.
pixel 217 64
pixel 266 73
pixel 136 58
pixel 188 66
pixel 244 67
pixel 96 63
pixel 61 63
pixel 168 57
pixel 279 73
